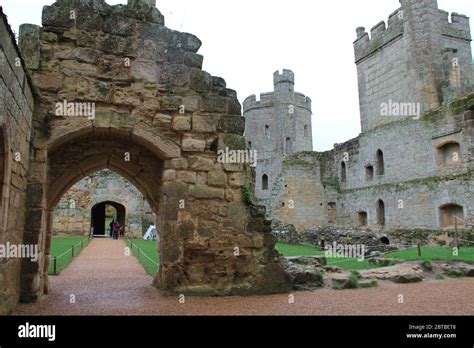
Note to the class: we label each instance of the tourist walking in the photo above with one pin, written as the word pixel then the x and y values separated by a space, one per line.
pixel 116 229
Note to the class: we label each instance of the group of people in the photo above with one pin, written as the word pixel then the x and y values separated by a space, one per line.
pixel 115 229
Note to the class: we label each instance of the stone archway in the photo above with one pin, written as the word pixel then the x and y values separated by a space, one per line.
pixel 154 117
pixel 99 224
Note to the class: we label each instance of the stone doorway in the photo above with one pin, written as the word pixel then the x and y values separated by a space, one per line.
pixel 103 213
pixel 363 219
pixel 452 215
pixel 159 121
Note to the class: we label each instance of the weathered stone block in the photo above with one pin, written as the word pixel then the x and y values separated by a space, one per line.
pixel 234 107
pixel 231 124
pixel 170 103
pixel 87 55
pixel 201 163
pixel 172 74
pixel 215 104
pixel 202 191
pixel 191 144
pixel 204 124
pixel 169 174
pixel 199 80
pixel 207 228
pixel 236 180
pixel 186 176
pixel 185 229
pixel 144 70
pixel 30 45
pixel 118 25
pixel 193 60
pixel 217 178
pixel 177 163
pixel 181 123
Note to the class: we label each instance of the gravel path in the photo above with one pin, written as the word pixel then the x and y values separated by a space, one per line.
pixel 106 282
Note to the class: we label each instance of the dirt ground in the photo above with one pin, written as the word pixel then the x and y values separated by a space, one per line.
pixel 102 280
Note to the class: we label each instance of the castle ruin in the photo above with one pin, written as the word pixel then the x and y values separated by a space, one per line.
pixel 409 174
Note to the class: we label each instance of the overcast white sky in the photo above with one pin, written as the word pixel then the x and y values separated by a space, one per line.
pixel 245 41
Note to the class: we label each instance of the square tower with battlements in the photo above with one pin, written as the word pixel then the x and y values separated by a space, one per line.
pixel 417 61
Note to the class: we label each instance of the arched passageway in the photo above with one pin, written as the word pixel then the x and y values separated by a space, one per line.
pixel 159 121
pixel 102 214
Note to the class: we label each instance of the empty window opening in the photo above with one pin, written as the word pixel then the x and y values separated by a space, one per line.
pixel 449 154
pixel 380 164
pixel 362 218
pixel 381 213
pixel 343 172
pixel 264 182
pixel 451 214
pixel 369 173
pixel 305 131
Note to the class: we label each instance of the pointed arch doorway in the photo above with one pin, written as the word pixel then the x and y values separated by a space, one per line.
pixel 102 214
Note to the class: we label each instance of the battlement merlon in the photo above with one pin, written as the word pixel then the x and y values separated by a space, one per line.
pixel 456 26
pixel 380 35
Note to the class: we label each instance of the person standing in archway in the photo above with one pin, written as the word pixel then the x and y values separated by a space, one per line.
pixel 116 229
pixel 111 226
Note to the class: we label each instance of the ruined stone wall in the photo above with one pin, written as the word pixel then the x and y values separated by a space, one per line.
pixel 414 185
pixel 298 193
pixel 159 122
pixel 396 160
pixel 73 213
pixel 16 110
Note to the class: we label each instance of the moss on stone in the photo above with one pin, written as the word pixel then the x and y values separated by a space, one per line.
pixel 247 195
pixel 431 182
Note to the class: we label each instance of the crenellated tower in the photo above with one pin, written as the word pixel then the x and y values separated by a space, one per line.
pixel 278 124
pixel 418 61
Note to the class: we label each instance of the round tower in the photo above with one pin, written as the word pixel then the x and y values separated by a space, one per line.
pixel 277 125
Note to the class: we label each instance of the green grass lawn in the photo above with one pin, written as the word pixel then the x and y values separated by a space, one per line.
pixel 428 253
pixel 150 249
pixel 435 254
pixel 304 250
pixel 59 246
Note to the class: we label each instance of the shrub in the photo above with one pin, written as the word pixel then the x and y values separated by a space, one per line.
pixel 319 275
pixel 426 264
pixel 454 273
pixel 353 282
pixel 372 284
